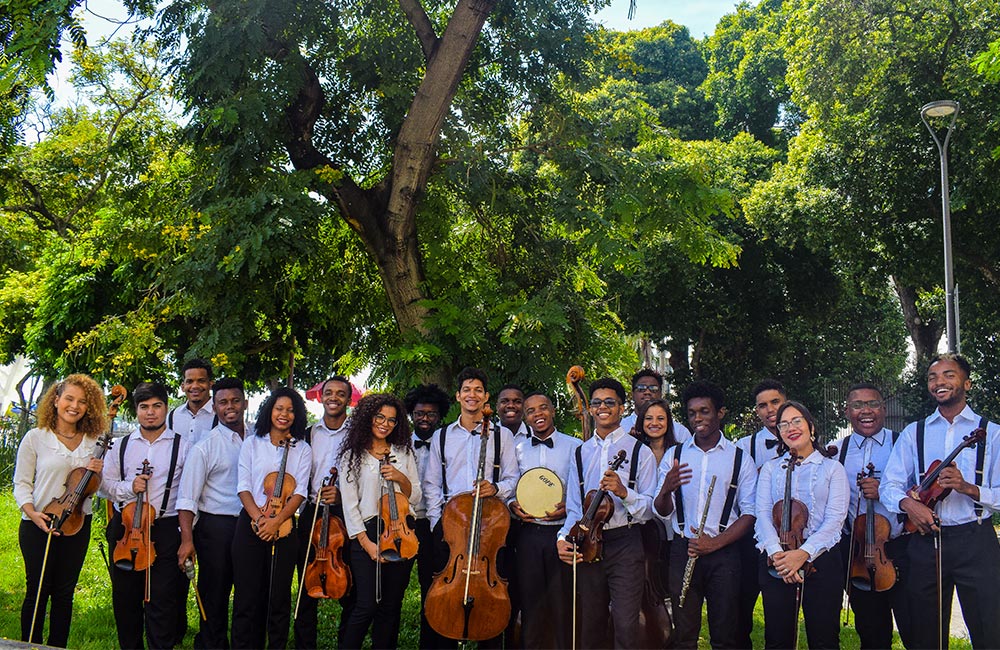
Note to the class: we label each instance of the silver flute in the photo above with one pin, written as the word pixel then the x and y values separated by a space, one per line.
pixel 689 567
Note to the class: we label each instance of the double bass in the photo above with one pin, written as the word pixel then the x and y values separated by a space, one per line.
pixel 327 575
pixel 929 492
pixel 790 517
pixel 871 568
pixel 573 378
pixel 468 600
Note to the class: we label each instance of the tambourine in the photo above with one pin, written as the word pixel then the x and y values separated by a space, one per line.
pixel 539 491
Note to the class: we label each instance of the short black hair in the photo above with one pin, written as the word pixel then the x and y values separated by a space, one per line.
pixel 148 390
pixel 262 427
pixel 865 385
pixel 197 362
pixel 962 362
pixel 609 383
pixel 472 373
pixel 704 389
pixel 228 383
pixel 647 372
pixel 428 394
pixel 337 378
pixel 510 387
pixel 767 384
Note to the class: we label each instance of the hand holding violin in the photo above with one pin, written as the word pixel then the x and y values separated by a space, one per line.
pixel 139 483
pixel 951 478
pixel 41 519
pixel 612 483
pixel 329 494
pixel 267 527
pixel 788 564
pixel 391 473
pixel 869 487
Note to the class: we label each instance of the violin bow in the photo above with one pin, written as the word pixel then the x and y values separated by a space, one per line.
pixel 305 561
pixel 846 604
pixel 41 580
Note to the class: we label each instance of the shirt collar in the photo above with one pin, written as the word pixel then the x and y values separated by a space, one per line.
pixel 815 458
pixel 859 440
pixel 610 439
pixel 206 408
pixel 965 414
pixel 722 444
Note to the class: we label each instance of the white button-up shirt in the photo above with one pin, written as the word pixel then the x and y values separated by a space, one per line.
pixel 821 484
pixel 259 457
pixel 158 453
pixel 596 454
pixel 755 445
pixel 44 464
pixel 192 426
pixel 325 443
pixel 559 459
pixel 717 461
pixel 361 494
pixel 940 439
pixel 208 483
pixel 861 451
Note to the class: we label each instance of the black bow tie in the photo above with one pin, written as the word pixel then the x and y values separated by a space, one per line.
pixel 417 444
pixel 538 441
pixel 771 444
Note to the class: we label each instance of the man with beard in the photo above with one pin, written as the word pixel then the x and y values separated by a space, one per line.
pixel 208 488
pixel 647 385
pixel 871 443
pixel 427 405
pixel 959 526
pixel 545 582
pixel 325 438
pixel 195 417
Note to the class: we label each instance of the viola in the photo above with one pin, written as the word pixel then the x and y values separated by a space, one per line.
pixel 66 512
pixel 468 599
pixel 327 575
pixel 278 487
pixel 135 550
pixel 929 492
pixel 871 568
pixel 573 379
pixel 587 534
pixel 790 517
pixel 397 542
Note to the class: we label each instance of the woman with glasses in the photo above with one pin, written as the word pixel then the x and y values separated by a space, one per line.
pixel 378 429
pixel 820 484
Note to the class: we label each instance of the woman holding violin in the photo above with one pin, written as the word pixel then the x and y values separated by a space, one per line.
pixel 801 505
pixel 71 416
pixel 380 484
pixel 272 480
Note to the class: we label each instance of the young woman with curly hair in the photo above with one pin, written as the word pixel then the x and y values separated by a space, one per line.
pixel 263 558
pixel 378 427
pixel 71 416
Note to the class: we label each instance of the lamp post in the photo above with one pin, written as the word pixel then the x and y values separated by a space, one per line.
pixel 943 109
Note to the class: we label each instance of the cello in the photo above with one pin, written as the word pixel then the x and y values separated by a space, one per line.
pixel 327 575
pixel 397 542
pixel 278 487
pixel 871 568
pixel 66 512
pixel 468 600
pixel 573 378
pixel 929 492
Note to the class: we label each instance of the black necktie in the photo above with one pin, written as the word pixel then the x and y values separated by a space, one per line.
pixel 771 444
pixel 538 441
pixel 417 444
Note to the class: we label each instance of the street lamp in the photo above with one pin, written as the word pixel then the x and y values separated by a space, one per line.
pixel 939 110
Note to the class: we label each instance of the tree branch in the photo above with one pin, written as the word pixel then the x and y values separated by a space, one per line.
pixel 421 25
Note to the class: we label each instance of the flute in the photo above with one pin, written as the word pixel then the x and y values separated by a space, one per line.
pixel 689 567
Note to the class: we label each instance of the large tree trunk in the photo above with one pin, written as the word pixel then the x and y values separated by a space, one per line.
pixel 924 332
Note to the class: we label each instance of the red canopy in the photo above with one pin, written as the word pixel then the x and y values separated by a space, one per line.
pixel 316 393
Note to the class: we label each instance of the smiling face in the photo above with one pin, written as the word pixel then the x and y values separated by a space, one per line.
pixel 655 422
pixel 282 415
pixel 196 386
pixel 796 431
pixel 510 407
pixel 866 418
pixel 766 407
pixel 230 405
pixel 539 414
pixel 472 396
pixel 947 383
pixel 336 396
pixel 606 409
pixel 71 406
pixel 384 422
pixel 426 418
pixel 646 389
pixel 704 419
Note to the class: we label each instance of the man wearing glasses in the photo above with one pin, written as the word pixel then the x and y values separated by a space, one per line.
pixel 871 443
pixel 647 385
pixel 614 580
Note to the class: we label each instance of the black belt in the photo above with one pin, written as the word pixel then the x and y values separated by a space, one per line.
pixel 622 532
pixel 962 529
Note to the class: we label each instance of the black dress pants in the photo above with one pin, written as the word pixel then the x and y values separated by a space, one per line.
pixel 822 596
pixel 970 562
pixel 426 567
pixel 62 572
pixel 545 584
pixel 306 623
pixel 213 542
pixel 615 582
pixel 168 591
pixel 749 590
pixel 383 616
pixel 873 610
pixel 262 594
pixel 713 579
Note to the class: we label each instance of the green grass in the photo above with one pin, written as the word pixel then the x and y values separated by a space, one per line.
pixel 94 625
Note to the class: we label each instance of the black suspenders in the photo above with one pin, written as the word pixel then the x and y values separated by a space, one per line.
pixel 727 508
pixel 174 452
pixel 444 461
pixel 980 459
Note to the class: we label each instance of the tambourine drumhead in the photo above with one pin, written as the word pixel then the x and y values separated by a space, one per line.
pixel 539 490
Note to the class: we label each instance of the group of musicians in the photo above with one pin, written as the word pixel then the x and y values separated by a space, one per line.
pixel 772 514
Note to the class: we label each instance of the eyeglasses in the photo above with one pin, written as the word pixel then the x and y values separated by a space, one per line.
pixel 425 415
pixel 797 422
pixel 646 388
pixel 610 402
pixel 858 405
pixel 381 419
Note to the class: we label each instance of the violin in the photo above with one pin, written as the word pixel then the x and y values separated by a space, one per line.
pixel 871 568
pixel 587 534
pixel 66 512
pixel 790 517
pixel 135 550
pixel 468 599
pixel 278 487
pixel 397 542
pixel 327 575
pixel 573 379
pixel 929 492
